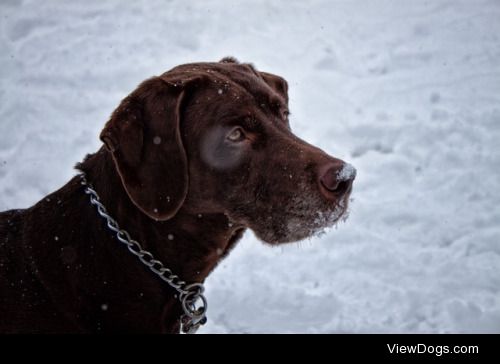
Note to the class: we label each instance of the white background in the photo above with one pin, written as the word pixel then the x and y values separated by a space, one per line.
pixel 407 91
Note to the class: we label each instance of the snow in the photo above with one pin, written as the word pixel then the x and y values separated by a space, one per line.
pixel 406 91
pixel 346 173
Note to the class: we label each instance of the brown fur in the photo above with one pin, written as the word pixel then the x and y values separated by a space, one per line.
pixel 167 170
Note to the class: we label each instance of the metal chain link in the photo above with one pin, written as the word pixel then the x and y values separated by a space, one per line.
pixel 194 303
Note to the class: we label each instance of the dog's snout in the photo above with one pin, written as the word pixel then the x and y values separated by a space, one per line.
pixel 336 178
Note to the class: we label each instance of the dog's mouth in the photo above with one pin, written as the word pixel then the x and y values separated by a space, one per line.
pixel 302 219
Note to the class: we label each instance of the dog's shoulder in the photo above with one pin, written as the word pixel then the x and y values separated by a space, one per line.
pixel 11 252
pixel 11 223
pixel 11 234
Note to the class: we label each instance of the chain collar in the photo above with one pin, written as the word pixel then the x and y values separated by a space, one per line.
pixel 194 303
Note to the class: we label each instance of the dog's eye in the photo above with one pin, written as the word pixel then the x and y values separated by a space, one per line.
pixel 236 135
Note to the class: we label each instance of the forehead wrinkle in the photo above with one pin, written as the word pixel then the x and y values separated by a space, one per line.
pixel 243 76
pixel 248 78
pixel 271 104
pixel 253 94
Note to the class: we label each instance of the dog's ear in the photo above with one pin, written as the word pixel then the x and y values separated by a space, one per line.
pixel 277 83
pixel 143 136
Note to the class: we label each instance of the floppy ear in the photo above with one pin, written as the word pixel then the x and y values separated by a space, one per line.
pixel 144 139
pixel 277 83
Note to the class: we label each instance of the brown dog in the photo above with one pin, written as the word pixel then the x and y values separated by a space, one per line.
pixel 191 159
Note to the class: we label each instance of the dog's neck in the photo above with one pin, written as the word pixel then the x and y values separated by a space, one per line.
pixel 189 244
pixel 105 287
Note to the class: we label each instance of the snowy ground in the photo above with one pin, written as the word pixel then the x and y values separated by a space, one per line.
pixel 407 91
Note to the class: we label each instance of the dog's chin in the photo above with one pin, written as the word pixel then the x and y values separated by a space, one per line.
pixel 294 228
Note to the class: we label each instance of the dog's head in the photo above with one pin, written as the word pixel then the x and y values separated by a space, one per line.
pixel 215 137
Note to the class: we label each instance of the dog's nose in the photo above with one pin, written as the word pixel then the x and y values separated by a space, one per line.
pixel 337 178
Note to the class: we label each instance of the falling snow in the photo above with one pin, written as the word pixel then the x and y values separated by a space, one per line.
pixel 407 94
